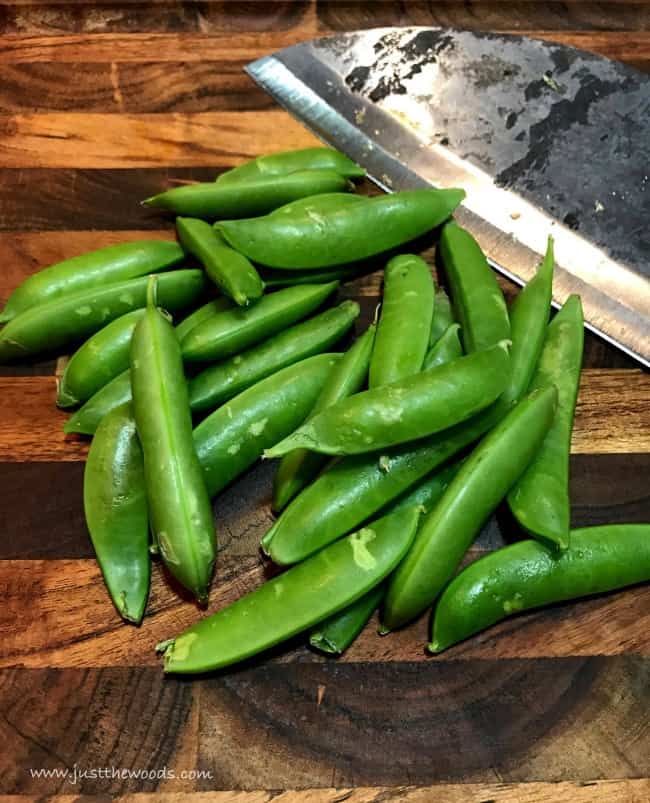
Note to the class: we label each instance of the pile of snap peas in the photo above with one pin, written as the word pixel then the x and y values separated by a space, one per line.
pixel 391 454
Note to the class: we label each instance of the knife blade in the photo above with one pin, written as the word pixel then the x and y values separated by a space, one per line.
pixel 544 139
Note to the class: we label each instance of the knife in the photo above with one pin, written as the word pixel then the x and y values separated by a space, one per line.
pixel 544 138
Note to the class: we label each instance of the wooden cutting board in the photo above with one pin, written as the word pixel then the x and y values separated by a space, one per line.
pixel 102 105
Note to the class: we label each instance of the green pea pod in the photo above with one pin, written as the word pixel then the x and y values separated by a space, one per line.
pixel 540 499
pixel 483 481
pixel 222 381
pixel 426 494
pixel 354 232
pixel 405 321
pixel 202 314
pixel 286 278
pixel 295 600
pixel 476 295
pixel 407 410
pixel 298 468
pixel 179 505
pixel 116 263
pixel 256 196
pixel 88 417
pixel 101 358
pixel 442 318
pixel 445 349
pixel 322 204
pixel 56 324
pixel 230 271
pixel 334 635
pixel 115 505
pixel 526 575
pixel 230 332
pixel 281 164
pixel 235 435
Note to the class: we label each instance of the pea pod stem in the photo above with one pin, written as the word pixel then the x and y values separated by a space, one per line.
pixel 526 575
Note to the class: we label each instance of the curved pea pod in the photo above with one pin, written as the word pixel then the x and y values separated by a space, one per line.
pixel 115 505
pixel 298 468
pixel 407 410
pixel 230 271
pixel 232 438
pixel 230 332
pixel 179 505
pixel 540 499
pixel 405 321
pixel 201 314
pixel 255 196
pixel 58 323
pixel 116 263
pixel 446 349
pixel 354 232
pixel 295 600
pixel 101 358
pixel 442 318
pixel 281 164
pixel 222 381
pixel 526 575
pixel 321 204
pixel 334 635
pixel 482 482
pixel 477 298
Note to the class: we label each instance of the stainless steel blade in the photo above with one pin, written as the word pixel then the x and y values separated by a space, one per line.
pixel 543 138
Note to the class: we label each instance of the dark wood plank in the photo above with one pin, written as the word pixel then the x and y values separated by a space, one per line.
pixel 129 88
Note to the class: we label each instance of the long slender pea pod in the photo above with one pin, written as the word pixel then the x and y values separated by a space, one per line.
pixel 482 482
pixel 286 278
pixel 56 324
pixel 281 164
pixel 336 634
pixel 477 298
pixel 526 575
pixel 443 316
pixel 222 381
pixel 295 600
pixel 298 468
pixel 255 196
pixel 354 232
pixel 101 358
pixel 447 348
pixel 201 314
pixel 115 505
pixel 179 505
pixel 322 204
pixel 230 271
pixel 235 435
pixel 540 499
pixel 403 411
pixel 405 321
pixel 230 332
pixel 116 263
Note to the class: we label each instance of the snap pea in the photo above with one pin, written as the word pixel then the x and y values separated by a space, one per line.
pixel 115 505
pixel 116 263
pixel 295 600
pixel 298 468
pixel 405 321
pixel 285 278
pixel 256 196
pixel 101 358
pixel 281 164
pixel 526 575
pixel 234 436
pixel 477 298
pixel 407 410
pixel 354 232
pixel 445 349
pixel 540 498
pixel 321 204
pixel 334 635
pixel 230 332
pixel 482 482
pixel 202 314
pixel 442 317
pixel 230 271
pixel 179 505
pixel 73 317
pixel 220 382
